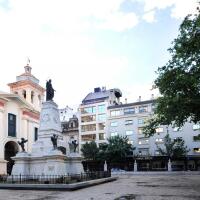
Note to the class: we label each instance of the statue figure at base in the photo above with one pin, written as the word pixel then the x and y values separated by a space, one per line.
pixel 49 91
pixel 54 139
pixel 23 141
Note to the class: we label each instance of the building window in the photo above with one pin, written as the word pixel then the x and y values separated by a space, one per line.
pixel 114 113
pixel 89 137
pixel 141 120
pixel 89 110
pixel 72 124
pixel 114 124
pixel 102 117
pixel 143 141
pixel 143 151
pixel 128 111
pixel 175 129
pixel 196 138
pixel 113 134
pixel 196 150
pixel 143 109
pixel 35 134
pixel 39 100
pixel 11 125
pixel 140 131
pixel 101 126
pixel 159 130
pixel 24 94
pixel 129 132
pixel 102 108
pixel 159 140
pixel 153 106
pixel 157 153
pixel 196 127
pixel 101 136
pixel 90 127
pixel 32 97
pixel 89 118
pixel 128 122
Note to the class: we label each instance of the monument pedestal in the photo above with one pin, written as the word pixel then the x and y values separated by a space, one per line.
pixel 44 159
pixel 74 163
pixel 3 166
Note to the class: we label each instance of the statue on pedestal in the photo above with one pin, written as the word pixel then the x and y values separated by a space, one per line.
pixel 75 144
pixel 23 141
pixel 54 139
pixel 49 91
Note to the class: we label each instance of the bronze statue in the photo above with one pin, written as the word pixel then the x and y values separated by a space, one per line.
pixel 49 91
pixel 75 144
pixel 23 141
pixel 54 139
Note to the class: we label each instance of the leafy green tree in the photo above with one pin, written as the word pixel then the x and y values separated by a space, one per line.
pixel 117 149
pixel 90 150
pixel 173 148
pixel 179 80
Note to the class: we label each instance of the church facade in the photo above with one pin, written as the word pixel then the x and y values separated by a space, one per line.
pixel 19 117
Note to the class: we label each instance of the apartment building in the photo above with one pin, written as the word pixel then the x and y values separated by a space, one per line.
pixel 93 114
pixel 128 120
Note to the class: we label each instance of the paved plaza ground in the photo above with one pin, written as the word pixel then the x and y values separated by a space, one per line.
pixel 136 187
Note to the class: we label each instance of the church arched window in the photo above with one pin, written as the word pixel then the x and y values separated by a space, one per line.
pixel 32 96
pixel 24 94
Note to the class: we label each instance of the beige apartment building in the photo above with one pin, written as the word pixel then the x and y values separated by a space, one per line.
pixel 93 114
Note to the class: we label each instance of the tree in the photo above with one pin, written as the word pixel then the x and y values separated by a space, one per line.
pixel 117 149
pixel 90 150
pixel 173 148
pixel 179 80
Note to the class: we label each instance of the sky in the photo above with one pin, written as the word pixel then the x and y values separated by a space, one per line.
pixel 83 44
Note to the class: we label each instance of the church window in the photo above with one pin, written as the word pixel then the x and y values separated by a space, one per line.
pixel 11 125
pixel 32 96
pixel 35 133
pixel 24 94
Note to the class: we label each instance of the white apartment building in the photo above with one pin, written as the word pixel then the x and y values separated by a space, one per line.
pixel 93 114
pixel 128 120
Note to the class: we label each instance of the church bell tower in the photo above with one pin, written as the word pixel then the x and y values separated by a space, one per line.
pixel 27 86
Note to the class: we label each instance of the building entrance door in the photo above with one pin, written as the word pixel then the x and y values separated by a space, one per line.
pixel 10 150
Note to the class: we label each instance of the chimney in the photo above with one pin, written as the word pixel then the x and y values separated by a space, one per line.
pixel 125 100
pixel 139 98
pixel 98 89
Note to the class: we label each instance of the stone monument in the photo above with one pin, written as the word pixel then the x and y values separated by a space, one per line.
pixel 45 158
pixel 135 166
pixel 169 166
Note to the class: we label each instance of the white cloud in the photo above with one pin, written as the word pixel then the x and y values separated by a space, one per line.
pixel 179 8
pixel 149 16
pixel 60 14
pixel 53 33
pixel 132 92
pixel 120 22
